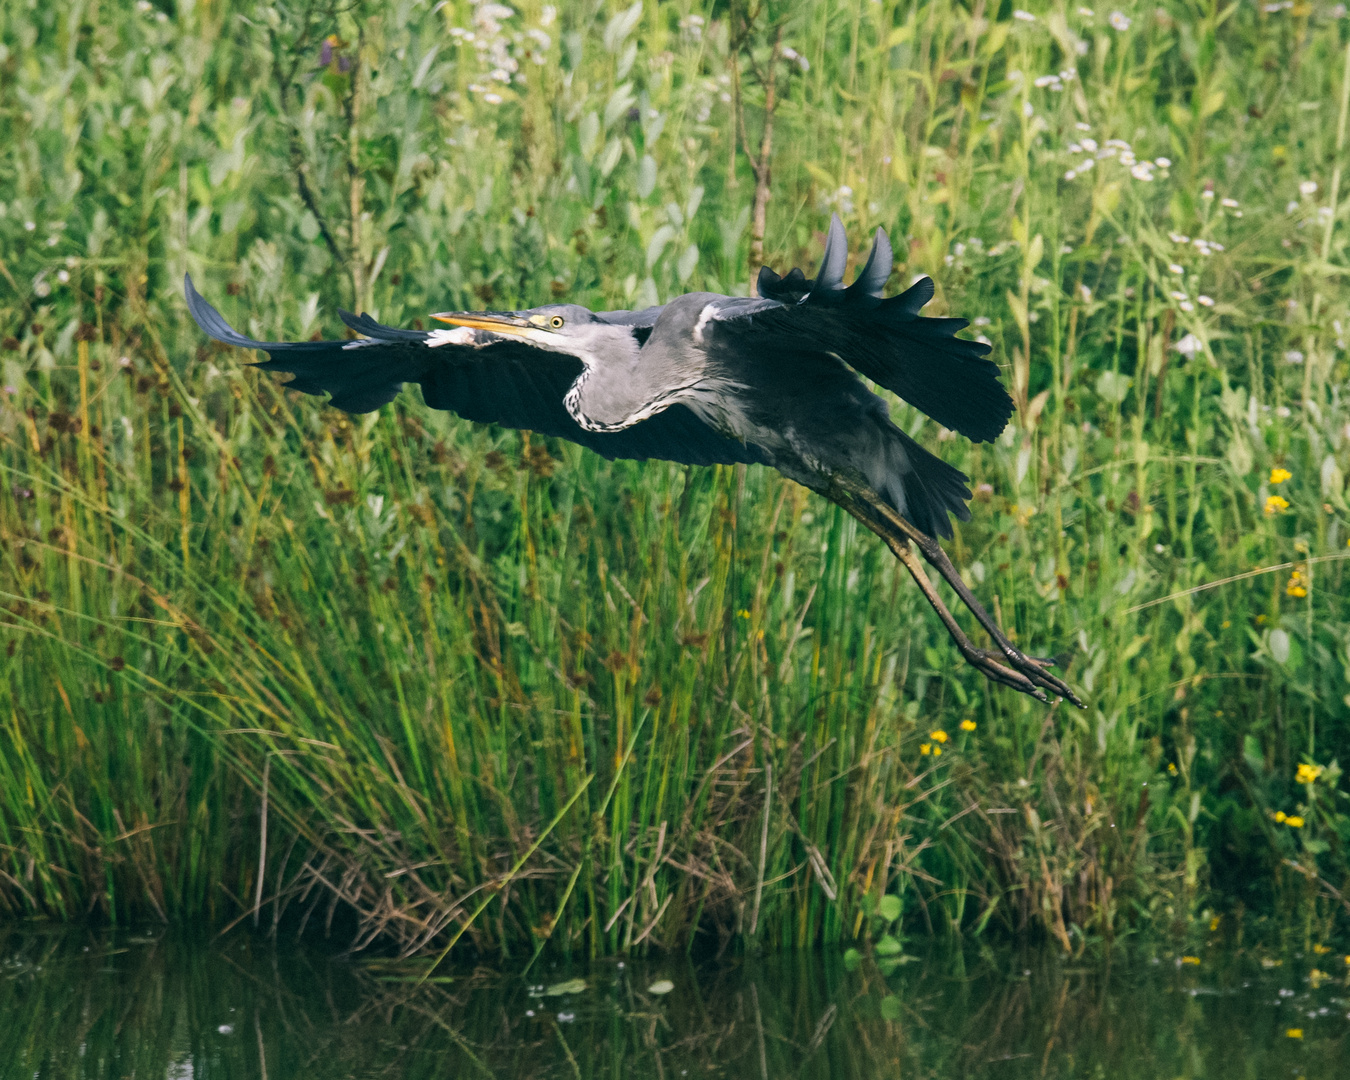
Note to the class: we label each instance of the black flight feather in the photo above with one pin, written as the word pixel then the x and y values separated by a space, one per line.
pixel 919 359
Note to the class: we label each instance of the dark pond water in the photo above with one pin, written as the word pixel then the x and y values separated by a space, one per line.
pixel 80 1004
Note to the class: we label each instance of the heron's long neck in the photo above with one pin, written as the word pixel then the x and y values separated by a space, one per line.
pixel 623 385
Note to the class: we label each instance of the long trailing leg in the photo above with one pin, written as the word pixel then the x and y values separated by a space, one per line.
pixel 1010 666
pixel 982 659
pixel 1033 666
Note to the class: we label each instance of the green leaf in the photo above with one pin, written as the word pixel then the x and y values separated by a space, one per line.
pixel 646 176
pixel 890 907
pixel 688 260
pixel 571 986
pixel 852 958
pixel 887 946
pixel 890 1007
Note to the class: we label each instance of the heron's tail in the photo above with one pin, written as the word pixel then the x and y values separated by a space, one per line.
pixel 924 488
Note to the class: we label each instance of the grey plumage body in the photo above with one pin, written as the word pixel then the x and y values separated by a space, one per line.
pixel 775 380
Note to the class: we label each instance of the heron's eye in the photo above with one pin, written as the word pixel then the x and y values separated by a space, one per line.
pixel 556 322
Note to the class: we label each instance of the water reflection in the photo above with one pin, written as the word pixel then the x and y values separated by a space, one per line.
pixel 78 1004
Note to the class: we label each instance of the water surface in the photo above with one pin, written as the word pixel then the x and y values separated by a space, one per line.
pixel 149 1005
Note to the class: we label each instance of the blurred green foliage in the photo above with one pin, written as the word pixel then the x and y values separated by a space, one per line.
pixel 478 682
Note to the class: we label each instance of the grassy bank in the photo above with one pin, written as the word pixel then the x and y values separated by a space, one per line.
pixel 265 661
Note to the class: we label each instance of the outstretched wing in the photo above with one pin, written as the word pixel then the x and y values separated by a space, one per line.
pixel 920 359
pixel 505 382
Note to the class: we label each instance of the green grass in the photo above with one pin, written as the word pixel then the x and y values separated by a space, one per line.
pixel 488 684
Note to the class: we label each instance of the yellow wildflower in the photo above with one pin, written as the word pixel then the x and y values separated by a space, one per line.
pixel 937 751
pixel 1294 821
pixel 1279 476
pixel 1321 950
pixel 938 736
pixel 1171 769
pixel 742 614
pixel 1214 922
pixel 1190 960
pixel 1294 1033
pixel 925 748
pixel 1308 774
pixel 968 725
pixel 1279 816
pixel 1275 504
pixel 1317 978
pixel 1297 585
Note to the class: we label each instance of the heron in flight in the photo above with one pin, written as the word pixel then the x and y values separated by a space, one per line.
pixel 707 379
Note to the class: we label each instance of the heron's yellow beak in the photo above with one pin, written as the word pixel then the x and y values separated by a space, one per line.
pixel 487 320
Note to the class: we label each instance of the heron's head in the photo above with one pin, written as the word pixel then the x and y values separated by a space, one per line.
pixel 564 328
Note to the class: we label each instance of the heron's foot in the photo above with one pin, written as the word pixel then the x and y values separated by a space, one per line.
pixel 1030 668
pixel 988 664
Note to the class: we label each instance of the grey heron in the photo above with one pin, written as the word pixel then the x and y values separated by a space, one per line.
pixel 775 379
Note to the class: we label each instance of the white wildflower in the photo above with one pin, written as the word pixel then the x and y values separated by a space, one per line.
pixel 1027 110
pixel 1163 163
pixel 1025 16
pixel 1071 175
pixel 62 276
pixel 1186 305
pixel 1086 12
pixel 1205 301
pixel 1143 171
pixel 493 99
pixel 1119 21
pixel 1293 356
pixel 1189 345
pixel 1045 80
pixel 1085 165
pixel 1308 187
pixel 1176 294
pixel 547 14
pixel 1074 148
pixel 1069 74
pixel 29 226
pixel 1178 238
pixel 1208 193
pixel 1176 268
pixel 1090 145
pixel 1229 204
pixel 1291 206
pixel 1085 293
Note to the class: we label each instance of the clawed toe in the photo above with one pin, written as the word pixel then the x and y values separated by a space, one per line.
pixel 1030 670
